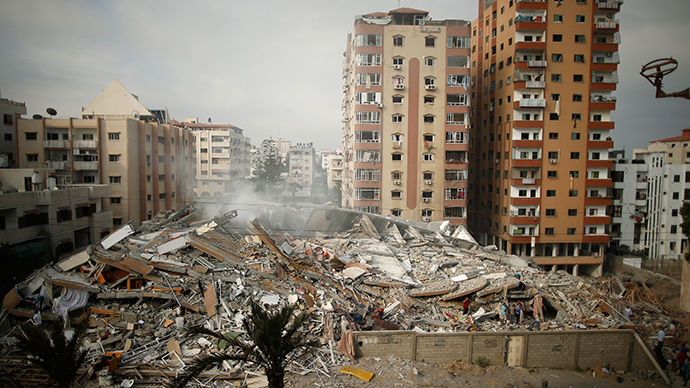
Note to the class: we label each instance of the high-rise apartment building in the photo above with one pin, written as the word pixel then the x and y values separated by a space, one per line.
pixel 149 165
pixel 221 157
pixel 543 77
pixel 405 115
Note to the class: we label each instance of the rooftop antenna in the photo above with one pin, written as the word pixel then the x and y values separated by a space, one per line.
pixel 52 112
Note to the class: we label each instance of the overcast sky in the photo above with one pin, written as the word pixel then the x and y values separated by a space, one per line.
pixel 274 67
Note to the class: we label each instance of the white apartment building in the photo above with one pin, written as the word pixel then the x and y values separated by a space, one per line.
pixel 221 157
pixel 334 168
pixel 301 164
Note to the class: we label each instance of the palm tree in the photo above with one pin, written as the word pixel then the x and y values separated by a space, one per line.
pixel 59 357
pixel 271 340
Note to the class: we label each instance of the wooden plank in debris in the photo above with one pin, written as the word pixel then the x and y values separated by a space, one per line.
pixel 466 288
pixel 174 347
pixel 211 300
pixel 136 265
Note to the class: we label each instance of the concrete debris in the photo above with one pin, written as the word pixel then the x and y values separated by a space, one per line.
pixel 350 271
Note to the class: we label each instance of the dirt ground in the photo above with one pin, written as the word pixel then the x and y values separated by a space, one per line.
pixel 396 372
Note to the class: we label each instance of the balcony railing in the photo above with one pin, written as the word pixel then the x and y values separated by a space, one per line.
pixel 86 144
pixel 536 63
pixel 90 166
pixel 609 5
pixel 607 25
pixel 535 84
pixel 55 144
pixel 532 103
pixel 57 165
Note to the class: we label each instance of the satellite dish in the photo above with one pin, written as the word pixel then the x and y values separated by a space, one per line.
pixel 52 112
pixel 37 116
pixel 136 114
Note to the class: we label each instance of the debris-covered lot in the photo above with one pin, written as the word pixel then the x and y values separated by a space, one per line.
pixel 347 270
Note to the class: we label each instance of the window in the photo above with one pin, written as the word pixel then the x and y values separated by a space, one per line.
pixel 114 158
pixel 31 135
pixel 579 58
pixel 367 40
pixel 577 97
pixel 596 156
pixel 555 77
pixel 396 138
pixel 374 98
pixel 396 157
pixel 430 41
pixel 577 77
pixel 676 178
pixel 574 136
pixel 456 80
pixel 553 116
pixel 553 135
pixel 459 42
pixel 550 193
pixel 397 99
pixel 553 154
pixel 161 177
pixel 32 157
pixel 552 174
pixel 161 158
pixel 574 155
pixel 367 175
pixel 428 119
pixel 367 117
pixel 575 174
pixel 676 195
pixel 398 40
pixel 558 18
pixel 115 200
pixel 572 193
pixel 579 18
pixel 549 231
pixel 368 60
pixel 396 194
pixel 429 99
pixel 8 137
pixel 458 61
pixel 555 97
pixel 113 136
pixel 576 117
pixel 430 83
pixel 551 212
pixel 115 179
pixel 572 212
pixel 428 157
pixel 430 61
pixel 579 39
pixel 397 118
pixel 557 38
pixel 396 212
pixel 148 178
pixel 161 196
pixel 398 61
pixel 557 57
pixel 368 79
pixel 571 231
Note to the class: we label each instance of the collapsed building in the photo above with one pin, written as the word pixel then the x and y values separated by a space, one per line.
pixel 349 270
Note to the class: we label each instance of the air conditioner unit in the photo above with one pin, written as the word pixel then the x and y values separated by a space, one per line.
pixel 497 161
pixel 397 182
pixel 397 67
pixel 430 87
pixel 425 199
pixel 380 105
pixel 553 161
pixel 429 182
pixel 399 86
pixel 610 15
pixel 425 219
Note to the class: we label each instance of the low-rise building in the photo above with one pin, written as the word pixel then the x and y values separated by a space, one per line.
pixel 42 216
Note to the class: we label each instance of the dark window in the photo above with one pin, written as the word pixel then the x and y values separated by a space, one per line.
pixel 31 135
pixel 557 37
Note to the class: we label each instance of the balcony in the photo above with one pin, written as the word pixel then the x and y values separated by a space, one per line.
pixel 531 103
pixel 530 4
pixel 610 25
pixel 528 124
pixel 600 144
pixel 524 220
pixel 528 143
pixel 86 166
pixel 601 124
pixel 610 5
pixel 55 144
pixel 597 220
pixel 525 201
pixel 599 163
pixel 530 46
pixel 86 144
pixel 598 182
pixel 530 64
pixel 57 165
pixel 526 23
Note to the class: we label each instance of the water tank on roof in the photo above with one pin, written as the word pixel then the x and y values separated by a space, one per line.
pixel 36 178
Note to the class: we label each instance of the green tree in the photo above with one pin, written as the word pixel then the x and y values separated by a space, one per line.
pixel 268 173
pixel 685 225
pixel 271 339
pixel 59 357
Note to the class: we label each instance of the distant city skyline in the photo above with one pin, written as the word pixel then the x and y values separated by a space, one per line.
pixel 274 70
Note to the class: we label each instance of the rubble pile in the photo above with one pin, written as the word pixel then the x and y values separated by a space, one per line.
pixel 349 270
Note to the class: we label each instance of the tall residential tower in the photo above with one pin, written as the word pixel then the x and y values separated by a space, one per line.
pixel 543 77
pixel 405 116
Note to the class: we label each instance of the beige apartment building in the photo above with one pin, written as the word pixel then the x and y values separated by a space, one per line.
pixel 301 164
pixel 10 111
pixel 40 216
pixel 543 80
pixel 405 115
pixel 221 156
pixel 148 165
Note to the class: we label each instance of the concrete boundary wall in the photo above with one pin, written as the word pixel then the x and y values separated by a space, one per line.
pixel 571 349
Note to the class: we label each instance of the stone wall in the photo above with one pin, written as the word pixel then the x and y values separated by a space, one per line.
pixel 582 349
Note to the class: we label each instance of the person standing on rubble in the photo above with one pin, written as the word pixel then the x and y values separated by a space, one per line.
pixel 504 313
pixel 511 312
pixel 627 312
pixel 466 306
pixel 661 335
pixel 685 372
pixel 518 313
